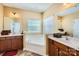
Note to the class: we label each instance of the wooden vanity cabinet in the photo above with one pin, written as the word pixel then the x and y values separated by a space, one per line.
pixel 58 49
pixel 11 43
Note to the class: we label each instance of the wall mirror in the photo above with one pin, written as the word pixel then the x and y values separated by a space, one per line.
pixel 11 24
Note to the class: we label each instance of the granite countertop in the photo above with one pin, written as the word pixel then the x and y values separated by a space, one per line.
pixel 68 41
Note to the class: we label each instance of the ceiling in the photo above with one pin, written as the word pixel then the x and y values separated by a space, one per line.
pixel 36 7
pixel 41 7
pixel 70 10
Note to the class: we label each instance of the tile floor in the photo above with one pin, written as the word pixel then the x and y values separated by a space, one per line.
pixel 24 53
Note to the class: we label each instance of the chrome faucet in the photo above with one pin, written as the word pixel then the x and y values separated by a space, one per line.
pixel 66 38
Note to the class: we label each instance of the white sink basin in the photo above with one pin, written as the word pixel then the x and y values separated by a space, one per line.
pixel 71 41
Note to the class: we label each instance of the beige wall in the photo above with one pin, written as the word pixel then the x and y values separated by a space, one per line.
pixel 52 10
pixel 23 15
pixel 1 17
pixel 68 21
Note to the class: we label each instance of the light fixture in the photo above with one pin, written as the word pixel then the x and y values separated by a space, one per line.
pixel 13 13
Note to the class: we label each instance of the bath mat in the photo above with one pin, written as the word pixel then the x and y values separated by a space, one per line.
pixel 10 53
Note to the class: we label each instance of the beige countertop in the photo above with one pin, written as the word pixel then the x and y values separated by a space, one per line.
pixel 71 42
pixel 11 35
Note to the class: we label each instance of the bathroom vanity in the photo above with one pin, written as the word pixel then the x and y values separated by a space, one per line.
pixel 63 46
pixel 11 42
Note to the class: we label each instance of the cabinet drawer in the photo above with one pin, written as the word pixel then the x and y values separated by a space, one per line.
pixel 61 46
pixel 14 37
pixel 10 37
pixel 2 38
pixel 18 37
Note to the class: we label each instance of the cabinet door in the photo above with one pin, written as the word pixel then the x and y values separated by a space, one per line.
pixel 72 52
pixel 62 49
pixel 77 53
pixel 20 43
pixel 8 43
pixel 2 44
pixel 50 50
pixel 17 43
pixel 53 50
pixel 14 44
pixel 63 53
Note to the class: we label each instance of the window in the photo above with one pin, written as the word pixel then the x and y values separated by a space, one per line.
pixel 76 28
pixel 48 25
pixel 34 26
